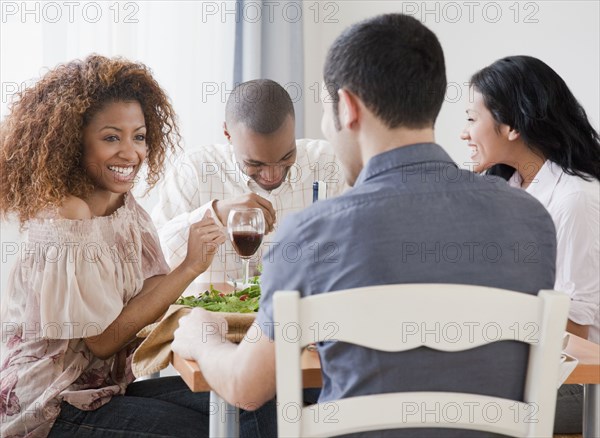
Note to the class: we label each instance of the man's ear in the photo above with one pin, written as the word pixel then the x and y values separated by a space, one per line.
pixel 348 108
pixel 226 132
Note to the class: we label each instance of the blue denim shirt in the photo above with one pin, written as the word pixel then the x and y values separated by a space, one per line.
pixel 414 217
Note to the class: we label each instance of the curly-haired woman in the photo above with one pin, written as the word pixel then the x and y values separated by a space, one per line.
pixel 91 273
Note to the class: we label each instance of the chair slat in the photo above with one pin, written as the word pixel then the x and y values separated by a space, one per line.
pixel 402 317
pixel 418 410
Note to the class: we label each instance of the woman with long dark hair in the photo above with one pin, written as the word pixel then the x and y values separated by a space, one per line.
pixel 525 125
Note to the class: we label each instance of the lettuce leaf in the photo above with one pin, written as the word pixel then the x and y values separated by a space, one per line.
pixel 243 301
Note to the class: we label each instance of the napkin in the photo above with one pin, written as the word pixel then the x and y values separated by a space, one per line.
pixel 154 353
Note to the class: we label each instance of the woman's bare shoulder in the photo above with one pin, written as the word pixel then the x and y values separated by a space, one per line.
pixel 74 208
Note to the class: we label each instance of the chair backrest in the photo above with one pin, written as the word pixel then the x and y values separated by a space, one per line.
pixel 357 317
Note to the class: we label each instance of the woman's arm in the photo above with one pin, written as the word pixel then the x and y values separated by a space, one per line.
pixel 577 259
pixel 577 329
pixel 159 292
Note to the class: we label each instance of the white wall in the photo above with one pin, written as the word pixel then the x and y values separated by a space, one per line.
pixel 566 36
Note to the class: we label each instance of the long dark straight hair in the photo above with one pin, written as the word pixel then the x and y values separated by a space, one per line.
pixel 530 97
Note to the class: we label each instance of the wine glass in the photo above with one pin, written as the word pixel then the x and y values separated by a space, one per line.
pixel 246 227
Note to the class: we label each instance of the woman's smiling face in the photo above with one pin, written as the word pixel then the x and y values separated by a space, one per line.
pixel 487 139
pixel 114 146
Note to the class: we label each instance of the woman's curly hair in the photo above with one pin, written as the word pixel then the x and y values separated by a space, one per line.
pixel 41 143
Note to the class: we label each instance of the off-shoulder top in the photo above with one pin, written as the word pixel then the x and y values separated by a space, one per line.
pixel 72 279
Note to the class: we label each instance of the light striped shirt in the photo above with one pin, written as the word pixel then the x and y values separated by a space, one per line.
pixel 204 175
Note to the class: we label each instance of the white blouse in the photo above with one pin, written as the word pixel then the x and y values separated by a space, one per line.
pixel 573 204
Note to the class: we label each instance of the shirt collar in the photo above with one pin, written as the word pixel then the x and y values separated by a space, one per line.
pixel 543 184
pixel 245 178
pixel 515 180
pixel 295 173
pixel 403 156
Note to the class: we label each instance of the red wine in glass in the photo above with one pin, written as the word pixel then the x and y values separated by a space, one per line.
pixel 246 228
pixel 246 242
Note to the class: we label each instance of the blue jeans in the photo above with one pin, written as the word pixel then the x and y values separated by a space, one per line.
pixel 163 407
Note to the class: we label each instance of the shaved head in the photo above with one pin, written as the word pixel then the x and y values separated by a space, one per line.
pixel 261 105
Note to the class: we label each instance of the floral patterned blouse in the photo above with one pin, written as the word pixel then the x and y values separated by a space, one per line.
pixel 72 280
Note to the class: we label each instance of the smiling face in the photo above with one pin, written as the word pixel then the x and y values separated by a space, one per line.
pixel 114 146
pixel 265 158
pixel 488 140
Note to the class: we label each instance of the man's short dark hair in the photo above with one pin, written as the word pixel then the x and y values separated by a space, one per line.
pixel 262 105
pixel 395 65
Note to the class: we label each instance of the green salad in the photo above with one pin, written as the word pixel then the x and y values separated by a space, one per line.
pixel 243 301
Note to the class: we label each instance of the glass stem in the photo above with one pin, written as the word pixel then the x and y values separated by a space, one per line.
pixel 246 272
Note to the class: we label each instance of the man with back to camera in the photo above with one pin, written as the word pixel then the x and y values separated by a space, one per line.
pixel 262 166
pixel 408 200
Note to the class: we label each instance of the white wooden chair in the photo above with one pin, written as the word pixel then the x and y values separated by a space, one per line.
pixel 358 317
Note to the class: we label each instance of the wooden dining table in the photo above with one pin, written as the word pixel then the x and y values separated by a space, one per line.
pixel 225 421
pixel 224 418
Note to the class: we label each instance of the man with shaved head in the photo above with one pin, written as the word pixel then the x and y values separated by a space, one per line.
pixel 260 114
pixel 262 166
pixel 262 105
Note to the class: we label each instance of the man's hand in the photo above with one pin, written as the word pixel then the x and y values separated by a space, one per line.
pixel 198 330
pixel 204 239
pixel 243 374
pixel 249 200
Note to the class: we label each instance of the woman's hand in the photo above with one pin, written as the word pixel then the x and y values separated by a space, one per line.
pixel 160 292
pixel 204 239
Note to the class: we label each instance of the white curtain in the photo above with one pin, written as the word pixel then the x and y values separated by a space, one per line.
pixel 189 51
pixel 269 45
